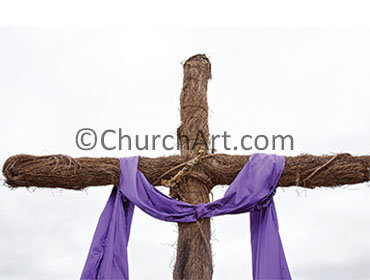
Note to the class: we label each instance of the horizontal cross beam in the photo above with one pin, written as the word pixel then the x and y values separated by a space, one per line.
pixel 61 171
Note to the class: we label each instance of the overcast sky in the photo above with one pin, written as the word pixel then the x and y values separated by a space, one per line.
pixel 311 83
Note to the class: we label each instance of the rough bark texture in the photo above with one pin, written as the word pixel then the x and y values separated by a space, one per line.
pixel 194 255
pixel 61 171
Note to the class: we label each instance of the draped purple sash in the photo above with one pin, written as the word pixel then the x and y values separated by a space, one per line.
pixel 251 191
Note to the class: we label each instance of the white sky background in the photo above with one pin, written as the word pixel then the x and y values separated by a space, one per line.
pixel 310 82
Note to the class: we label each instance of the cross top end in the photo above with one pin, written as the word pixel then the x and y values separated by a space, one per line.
pixel 200 61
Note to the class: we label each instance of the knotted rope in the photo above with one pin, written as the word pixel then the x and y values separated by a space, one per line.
pixel 186 168
pixel 174 182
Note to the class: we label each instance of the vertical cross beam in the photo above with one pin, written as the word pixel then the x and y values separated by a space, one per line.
pixel 194 254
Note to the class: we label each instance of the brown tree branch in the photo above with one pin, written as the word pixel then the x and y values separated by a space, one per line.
pixel 61 171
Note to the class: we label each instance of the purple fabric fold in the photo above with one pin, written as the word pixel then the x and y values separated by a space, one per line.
pixel 251 191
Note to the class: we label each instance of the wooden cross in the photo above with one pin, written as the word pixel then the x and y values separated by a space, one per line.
pixel 194 255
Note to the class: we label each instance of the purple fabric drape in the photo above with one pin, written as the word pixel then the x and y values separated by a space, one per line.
pixel 251 191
